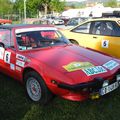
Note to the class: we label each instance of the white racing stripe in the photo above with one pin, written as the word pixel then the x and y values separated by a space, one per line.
pixel 34 29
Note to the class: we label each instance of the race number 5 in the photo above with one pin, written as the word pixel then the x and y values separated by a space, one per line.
pixel 7 57
pixel 105 43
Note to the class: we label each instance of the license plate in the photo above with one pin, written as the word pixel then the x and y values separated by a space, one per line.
pixel 109 88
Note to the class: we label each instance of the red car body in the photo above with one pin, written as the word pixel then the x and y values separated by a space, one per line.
pixel 69 71
pixel 5 21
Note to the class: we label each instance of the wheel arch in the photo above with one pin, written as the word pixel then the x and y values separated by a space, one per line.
pixel 28 69
pixel 47 95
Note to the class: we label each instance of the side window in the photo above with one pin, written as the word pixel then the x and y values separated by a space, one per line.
pixel 27 40
pixel 115 30
pixel 96 28
pixel 6 38
pixel 106 28
pixel 84 28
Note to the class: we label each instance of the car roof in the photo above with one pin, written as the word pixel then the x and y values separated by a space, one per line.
pixel 109 19
pixel 23 26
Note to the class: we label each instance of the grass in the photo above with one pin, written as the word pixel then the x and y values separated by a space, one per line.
pixel 14 105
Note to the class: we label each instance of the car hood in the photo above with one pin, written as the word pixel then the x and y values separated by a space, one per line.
pixel 67 60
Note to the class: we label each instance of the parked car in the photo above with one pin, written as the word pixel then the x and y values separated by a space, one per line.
pixel 35 21
pixel 55 21
pixel 65 19
pixel 71 23
pixel 101 34
pixel 42 59
pixel 5 21
pixel 75 21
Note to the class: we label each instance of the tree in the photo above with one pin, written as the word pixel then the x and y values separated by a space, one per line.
pixel 57 6
pixel 6 7
pixel 52 5
pixel 33 6
pixel 111 3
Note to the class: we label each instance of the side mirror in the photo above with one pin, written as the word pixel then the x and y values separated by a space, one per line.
pixel 2 45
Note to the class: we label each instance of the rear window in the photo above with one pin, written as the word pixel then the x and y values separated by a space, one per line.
pixel 5 37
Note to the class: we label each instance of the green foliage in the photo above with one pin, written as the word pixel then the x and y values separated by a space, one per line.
pixel 111 3
pixel 56 5
pixel 5 7
pixel 33 6
pixel 76 4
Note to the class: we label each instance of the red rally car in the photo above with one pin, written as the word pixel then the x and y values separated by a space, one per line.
pixel 47 63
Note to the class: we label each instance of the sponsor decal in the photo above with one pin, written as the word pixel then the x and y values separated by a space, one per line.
pixel 111 64
pixel 12 66
pixel 77 66
pixel 105 43
pixel 22 48
pixel 20 63
pixel 2 50
pixel 94 70
pixel 18 68
pixel 20 57
pixel 29 48
pixel 7 57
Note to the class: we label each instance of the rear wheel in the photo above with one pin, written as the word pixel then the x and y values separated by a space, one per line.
pixel 36 88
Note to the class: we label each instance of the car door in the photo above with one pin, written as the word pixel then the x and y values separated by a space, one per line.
pixel 106 37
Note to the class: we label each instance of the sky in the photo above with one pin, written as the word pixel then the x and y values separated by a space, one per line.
pixel 80 0
pixel 76 0
pixel 73 0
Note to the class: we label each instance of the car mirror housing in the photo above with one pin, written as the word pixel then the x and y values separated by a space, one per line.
pixel 2 45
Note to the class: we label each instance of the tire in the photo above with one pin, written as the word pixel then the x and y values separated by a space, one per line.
pixel 36 88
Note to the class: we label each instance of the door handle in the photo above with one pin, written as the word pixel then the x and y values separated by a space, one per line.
pixel 94 37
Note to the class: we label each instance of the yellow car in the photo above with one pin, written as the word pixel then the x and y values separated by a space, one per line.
pixel 101 34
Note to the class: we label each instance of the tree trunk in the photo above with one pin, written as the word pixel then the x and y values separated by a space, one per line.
pixel 45 9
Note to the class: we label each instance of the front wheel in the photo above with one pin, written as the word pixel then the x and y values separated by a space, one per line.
pixel 36 88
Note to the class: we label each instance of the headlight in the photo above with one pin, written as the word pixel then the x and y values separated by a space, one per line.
pixel 105 83
pixel 118 77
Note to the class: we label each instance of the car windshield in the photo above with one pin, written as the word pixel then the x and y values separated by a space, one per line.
pixel 27 40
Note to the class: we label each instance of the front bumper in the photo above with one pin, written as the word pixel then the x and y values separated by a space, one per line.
pixel 92 89
pixel 92 86
pixel 95 84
